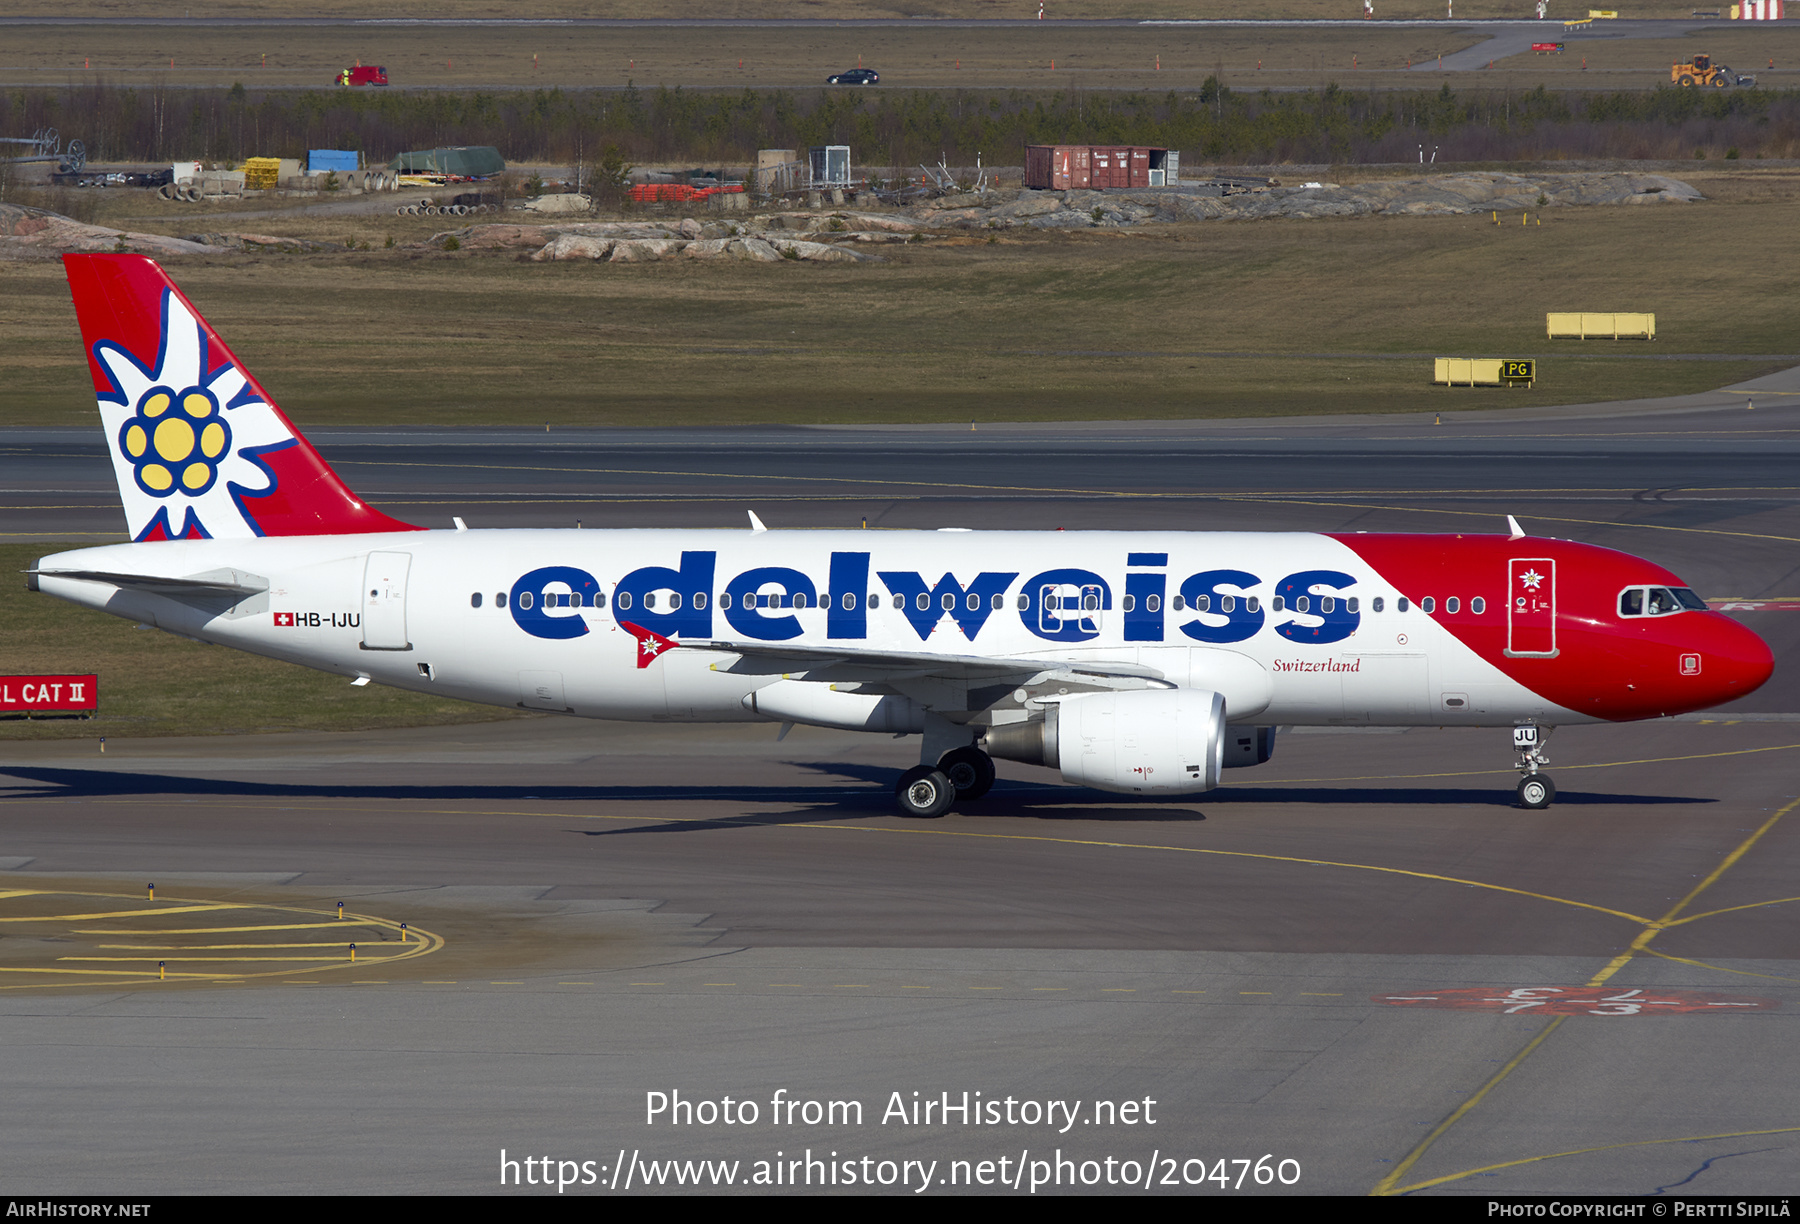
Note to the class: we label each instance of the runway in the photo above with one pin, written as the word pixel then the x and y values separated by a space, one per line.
pixel 1357 958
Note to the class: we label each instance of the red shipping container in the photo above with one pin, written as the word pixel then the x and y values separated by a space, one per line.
pixel 1075 167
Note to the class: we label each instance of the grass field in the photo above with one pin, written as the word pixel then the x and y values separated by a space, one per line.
pixel 851 10
pixel 585 57
pixel 1141 58
pixel 1195 320
pixel 152 683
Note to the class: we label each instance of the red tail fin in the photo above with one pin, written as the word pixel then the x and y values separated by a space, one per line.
pixel 199 448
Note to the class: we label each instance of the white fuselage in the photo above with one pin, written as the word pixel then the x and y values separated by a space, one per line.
pixel 402 610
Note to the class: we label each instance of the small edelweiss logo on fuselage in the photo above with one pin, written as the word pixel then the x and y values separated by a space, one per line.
pixel 175 441
pixel 1531 579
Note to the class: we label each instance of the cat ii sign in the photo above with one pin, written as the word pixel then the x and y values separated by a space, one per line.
pixel 28 694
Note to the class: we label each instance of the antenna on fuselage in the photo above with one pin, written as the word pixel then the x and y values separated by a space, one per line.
pixel 1512 525
pixel 756 524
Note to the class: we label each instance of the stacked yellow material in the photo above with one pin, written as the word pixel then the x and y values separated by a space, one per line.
pixel 262 172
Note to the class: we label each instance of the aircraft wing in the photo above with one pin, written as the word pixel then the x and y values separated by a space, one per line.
pixel 896 667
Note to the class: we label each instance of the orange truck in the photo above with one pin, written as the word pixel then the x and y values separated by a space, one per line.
pixel 1702 71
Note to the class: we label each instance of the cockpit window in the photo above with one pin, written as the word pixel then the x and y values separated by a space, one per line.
pixel 1658 601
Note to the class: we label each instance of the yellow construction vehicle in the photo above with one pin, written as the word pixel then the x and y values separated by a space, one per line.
pixel 1702 71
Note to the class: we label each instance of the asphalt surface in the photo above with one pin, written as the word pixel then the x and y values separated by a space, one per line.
pixel 1358 958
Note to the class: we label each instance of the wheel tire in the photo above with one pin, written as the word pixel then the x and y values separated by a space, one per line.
pixel 924 791
pixel 1719 81
pixel 1685 81
pixel 970 770
pixel 1536 791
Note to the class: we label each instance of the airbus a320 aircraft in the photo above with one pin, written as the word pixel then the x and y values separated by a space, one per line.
pixel 1142 663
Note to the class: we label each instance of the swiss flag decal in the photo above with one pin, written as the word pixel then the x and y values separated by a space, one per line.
pixel 651 645
pixel 284 620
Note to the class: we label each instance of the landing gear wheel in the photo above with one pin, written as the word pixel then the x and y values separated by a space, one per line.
pixel 924 791
pixel 1536 791
pixel 970 770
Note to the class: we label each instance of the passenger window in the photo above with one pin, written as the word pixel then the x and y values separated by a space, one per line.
pixel 1024 603
pixel 675 601
pixel 1128 603
pixel 923 602
pixel 1478 605
pixel 1327 604
pixel 524 599
pixel 1428 605
pixel 1301 604
pixel 1180 604
pixel 500 600
pixel 699 599
pixel 1227 603
pixel 801 601
pixel 1453 605
pixel 948 602
pixel 1378 604
pixel 849 602
pixel 650 600
pixel 475 600
pixel 997 602
pixel 1152 603
pixel 1401 604
pixel 1254 604
pixel 1091 603
pixel 623 599
pixel 725 599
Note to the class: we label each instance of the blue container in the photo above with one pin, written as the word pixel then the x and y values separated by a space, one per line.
pixel 318 161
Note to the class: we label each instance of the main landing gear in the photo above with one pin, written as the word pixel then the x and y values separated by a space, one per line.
pixel 1536 790
pixel 929 790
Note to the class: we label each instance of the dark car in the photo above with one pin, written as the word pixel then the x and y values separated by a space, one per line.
pixel 856 76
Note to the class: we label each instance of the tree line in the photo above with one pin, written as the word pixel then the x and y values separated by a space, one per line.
pixel 899 129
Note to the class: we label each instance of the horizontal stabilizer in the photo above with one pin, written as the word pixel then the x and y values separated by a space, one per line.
pixel 233 582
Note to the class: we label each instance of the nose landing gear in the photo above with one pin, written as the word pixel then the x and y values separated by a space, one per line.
pixel 1535 788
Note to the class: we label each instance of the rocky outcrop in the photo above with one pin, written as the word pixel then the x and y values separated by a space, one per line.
pixel 27 233
pixel 1437 195
pixel 759 239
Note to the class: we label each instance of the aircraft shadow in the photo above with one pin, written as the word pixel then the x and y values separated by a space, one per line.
pixel 839 790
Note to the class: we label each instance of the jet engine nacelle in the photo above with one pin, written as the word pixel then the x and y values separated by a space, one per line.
pixel 1142 741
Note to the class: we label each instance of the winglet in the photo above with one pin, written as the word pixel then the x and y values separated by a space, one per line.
pixel 1512 525
pixel 756 524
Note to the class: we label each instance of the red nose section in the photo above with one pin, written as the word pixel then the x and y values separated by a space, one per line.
pixel 1723 661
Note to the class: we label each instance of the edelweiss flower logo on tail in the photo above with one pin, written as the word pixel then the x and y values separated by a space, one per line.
pixel 187 440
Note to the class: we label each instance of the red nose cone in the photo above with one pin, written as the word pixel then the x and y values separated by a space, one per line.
pixel 1732 662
